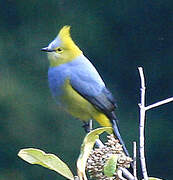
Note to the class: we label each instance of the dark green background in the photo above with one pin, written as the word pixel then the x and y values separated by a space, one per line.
pixel 117 36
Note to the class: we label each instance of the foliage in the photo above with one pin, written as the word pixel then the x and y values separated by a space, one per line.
pixel 110 166
pixel 117 36
pixel 50 161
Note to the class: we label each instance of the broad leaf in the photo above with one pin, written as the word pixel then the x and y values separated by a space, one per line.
pixel 110 166
pixel 86 148
pixel 36 156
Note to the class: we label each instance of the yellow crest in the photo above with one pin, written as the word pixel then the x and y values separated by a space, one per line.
pixel 66 39
pixel 64 33
pixel 69 49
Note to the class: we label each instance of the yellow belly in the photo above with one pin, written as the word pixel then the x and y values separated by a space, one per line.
pixel 80 108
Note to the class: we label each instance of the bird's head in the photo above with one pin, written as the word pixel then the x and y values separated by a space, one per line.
pixel 62 49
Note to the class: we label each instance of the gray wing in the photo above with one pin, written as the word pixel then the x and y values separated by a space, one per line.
pixel 95 92
pixel 88 83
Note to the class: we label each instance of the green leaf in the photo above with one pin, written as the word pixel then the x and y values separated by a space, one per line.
pixel 86 148
pixel 111 165
pixel 50 161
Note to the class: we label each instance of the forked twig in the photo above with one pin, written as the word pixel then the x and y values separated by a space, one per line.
pixel 134 161
pixel 142 125
pixel 143 109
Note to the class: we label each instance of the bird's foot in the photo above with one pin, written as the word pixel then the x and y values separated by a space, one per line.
pixel 86 127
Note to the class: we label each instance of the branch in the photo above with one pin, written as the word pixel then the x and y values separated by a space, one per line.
pixel 143 109
pixel 159 103
pixel 134 161
pixel 126 173
pixel 98 141
pixel 142 125
pixel 76 178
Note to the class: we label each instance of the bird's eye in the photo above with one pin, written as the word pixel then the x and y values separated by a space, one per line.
pixel 59 49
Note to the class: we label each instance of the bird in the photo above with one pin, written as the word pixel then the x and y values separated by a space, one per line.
pixel 77 86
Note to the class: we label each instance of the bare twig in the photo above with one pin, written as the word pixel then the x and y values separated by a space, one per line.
pixel 126 173
pixel 159 103
pixel 98 141
pixel 90 125
pixel 134 161
pixel 76 178
pixel 142 125
pixel 143 109
pixel 120 174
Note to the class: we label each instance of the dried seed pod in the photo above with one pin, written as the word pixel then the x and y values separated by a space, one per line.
pixel 99 157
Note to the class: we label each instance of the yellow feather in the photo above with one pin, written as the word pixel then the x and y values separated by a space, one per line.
pixel 102 119
pixel 64 32
pixel 69 49
pixel 67 41
pixel 79 107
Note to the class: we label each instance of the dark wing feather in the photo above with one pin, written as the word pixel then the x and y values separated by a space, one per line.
pixel 104 101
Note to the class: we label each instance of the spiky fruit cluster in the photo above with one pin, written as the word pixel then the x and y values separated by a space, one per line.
pixel 99 156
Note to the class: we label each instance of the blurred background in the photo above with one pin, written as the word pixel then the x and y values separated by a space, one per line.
pixel 117 36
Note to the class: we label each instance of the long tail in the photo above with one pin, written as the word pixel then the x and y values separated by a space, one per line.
pixel 117 134
pixel 114 122
pixel 108 120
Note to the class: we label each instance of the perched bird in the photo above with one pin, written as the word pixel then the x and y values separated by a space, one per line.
pixel 77 86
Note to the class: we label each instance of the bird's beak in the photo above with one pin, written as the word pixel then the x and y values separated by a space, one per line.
pixel 46 49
